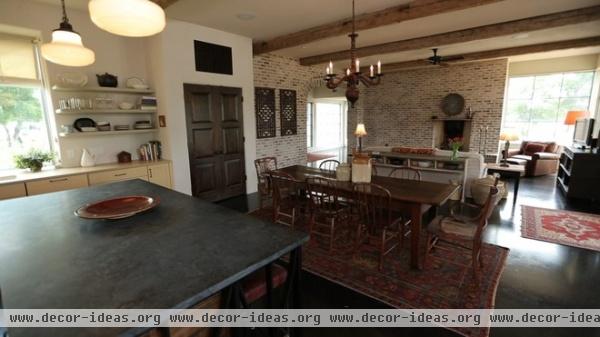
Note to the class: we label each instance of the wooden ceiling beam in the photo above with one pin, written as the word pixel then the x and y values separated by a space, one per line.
pixel 472 34
pixel 413 10
pixel 500 53
pixel 164 3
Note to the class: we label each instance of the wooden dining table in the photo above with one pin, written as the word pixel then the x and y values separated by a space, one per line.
pixel 408 196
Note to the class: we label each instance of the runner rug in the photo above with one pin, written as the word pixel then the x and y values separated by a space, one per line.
pixel 559 226
pixel 446 282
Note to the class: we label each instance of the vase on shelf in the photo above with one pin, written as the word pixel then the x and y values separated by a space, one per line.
pixel 454 154
pixel 455 144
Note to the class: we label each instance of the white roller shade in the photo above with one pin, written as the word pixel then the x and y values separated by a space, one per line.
pixel 17 58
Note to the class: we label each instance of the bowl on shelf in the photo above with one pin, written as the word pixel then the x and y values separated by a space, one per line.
pixel 125 106
pixel 423 164
pixel 136 83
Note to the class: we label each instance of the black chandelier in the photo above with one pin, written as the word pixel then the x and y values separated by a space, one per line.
pixel 353 75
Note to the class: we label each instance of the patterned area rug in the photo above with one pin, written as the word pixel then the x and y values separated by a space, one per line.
pixel 564 227
pixel 312 157
pixel 445 282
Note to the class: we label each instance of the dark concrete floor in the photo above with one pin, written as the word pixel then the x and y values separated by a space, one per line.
pixel 537 275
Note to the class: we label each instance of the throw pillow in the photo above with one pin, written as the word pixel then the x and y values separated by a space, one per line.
pixel 533 148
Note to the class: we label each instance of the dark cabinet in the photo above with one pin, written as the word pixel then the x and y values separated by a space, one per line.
pixel 579 174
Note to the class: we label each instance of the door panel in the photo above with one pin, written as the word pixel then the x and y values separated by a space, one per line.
pixel 201 107
pixel 202 143
pixel 232 141
pixel 233 172
pixel 215 141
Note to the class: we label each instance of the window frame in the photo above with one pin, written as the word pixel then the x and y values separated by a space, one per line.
pixel 42 84
pixel 531 99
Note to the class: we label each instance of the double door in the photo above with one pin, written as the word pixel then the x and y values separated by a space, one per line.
pixel 215 135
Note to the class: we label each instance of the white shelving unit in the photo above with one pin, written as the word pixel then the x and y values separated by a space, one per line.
pixel 103 111
pixel 104 133
pixel 112 112
pixel 103 89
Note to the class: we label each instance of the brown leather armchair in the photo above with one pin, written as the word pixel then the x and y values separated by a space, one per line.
pixel 539 158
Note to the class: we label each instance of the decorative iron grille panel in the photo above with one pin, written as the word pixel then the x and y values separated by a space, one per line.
pixel 264 100
pixel 287 111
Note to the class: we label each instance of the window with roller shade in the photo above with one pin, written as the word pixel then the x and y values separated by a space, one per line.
pixel 536 106
pixel 23 119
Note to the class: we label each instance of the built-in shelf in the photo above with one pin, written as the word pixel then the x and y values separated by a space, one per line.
pixel 104 133
pixel 104 111
pixel 103 89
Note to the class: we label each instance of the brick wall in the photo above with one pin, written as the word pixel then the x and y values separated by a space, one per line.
pixel 399 110
pixel 278 72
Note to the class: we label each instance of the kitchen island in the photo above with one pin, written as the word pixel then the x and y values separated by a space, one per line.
pixel 174 256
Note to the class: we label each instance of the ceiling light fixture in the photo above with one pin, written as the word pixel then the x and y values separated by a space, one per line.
pixel 66 47
pixel 133 18
pixel 353 76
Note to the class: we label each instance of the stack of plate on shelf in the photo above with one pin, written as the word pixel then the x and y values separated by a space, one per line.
pixel 142 125
pixel 103 126
pixel 136 83
pixel 121 127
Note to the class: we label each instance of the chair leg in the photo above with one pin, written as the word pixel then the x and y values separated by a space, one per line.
pixel 293 217
pixel 331 232
pixel 382 249
pixel 428 248
pixel 475 258
pixel 357 240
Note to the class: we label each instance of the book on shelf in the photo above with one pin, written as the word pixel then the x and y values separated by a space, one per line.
pixel 150 151
pixel 148 103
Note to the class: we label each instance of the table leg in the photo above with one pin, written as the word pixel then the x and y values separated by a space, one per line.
pixel 415 236
pixel 516 191
pixel 293 285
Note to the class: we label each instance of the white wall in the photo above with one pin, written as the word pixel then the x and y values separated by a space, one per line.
pixel 553 65
pixel 171 64
pixel 121 56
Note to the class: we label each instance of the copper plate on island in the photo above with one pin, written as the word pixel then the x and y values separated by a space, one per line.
pixel 117 208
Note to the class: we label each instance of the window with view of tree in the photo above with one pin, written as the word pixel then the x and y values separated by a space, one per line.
pixel 536 106
pixel 22 119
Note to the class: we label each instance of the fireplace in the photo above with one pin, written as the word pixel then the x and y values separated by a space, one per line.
pixel 446 128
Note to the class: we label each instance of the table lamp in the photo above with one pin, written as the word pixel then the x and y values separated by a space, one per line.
pixel 507 136
pixel 574 115
pixel 360 132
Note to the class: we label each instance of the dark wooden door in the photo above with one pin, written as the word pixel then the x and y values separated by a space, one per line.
pixel 215 141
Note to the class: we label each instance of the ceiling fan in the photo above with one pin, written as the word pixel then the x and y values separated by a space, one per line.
pixel 441 60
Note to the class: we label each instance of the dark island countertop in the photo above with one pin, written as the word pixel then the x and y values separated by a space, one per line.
pixel 175 256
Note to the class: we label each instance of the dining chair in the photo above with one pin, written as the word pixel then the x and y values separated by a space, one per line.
pixel 263 167
pixel 405 172
pixel 464 234
pixel 377 221
pixel 326 208
pixel 465 211
pixel 329 165
pixel 287 199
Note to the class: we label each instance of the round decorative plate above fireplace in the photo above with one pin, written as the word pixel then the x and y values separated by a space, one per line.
pixel 453 104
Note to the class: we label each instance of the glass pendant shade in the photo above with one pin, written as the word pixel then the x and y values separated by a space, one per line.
pixel 134 18
pixel 67 49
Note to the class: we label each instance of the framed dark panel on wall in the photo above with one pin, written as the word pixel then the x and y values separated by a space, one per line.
pixel 213 58
pixel 287 112
pixel 264 101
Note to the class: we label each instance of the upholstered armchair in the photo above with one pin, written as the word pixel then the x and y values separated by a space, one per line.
pixel 539 158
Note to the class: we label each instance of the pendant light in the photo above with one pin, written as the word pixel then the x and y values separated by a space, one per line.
pixel 66 47
pixel 134 18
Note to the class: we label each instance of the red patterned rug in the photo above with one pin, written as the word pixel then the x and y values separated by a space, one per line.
pixel 312 157
pixel 446 282
pixel 564 227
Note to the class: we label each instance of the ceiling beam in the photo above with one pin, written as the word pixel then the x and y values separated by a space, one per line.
pixel 500 53
pixel 413 10
pixel 164 3
pixel 472 34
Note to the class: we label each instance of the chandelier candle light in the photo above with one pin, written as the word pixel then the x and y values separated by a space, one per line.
pixel 66 47
pixel 353 75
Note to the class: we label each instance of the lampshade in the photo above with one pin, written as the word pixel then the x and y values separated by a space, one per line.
pixel 509 136
pixel 360 130
pixel 67 49
pixel 573 116
pixel 135 18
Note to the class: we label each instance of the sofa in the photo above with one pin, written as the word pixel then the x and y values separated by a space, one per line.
pixel 539 158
